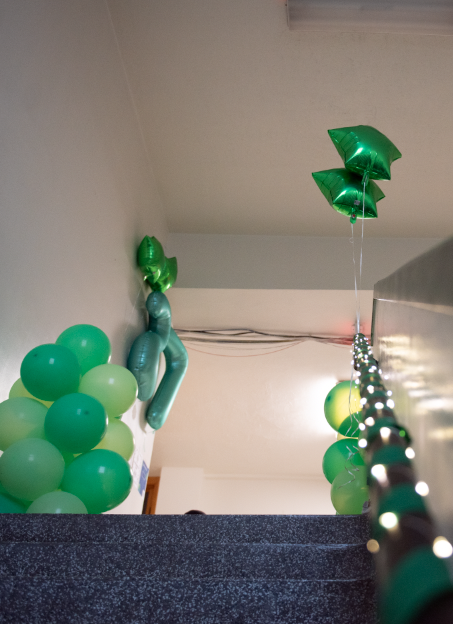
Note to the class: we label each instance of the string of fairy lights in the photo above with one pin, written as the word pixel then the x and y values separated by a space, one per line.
pixel 402 528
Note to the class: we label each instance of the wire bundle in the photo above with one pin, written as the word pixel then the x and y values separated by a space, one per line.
pixel 245 339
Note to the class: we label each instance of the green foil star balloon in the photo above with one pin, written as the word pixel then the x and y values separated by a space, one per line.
pixel 344 192
pixel 365 151
pixel 160 272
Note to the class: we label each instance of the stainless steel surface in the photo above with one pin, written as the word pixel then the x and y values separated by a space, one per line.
pixel 413 340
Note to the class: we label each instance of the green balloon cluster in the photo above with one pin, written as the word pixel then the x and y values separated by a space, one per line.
pixel 160 272
pixel 54 419
pixel 367 155
pixel 343 464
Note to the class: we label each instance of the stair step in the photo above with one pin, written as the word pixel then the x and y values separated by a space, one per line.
pixel 186 561
pixel 196 529
pixel 136 601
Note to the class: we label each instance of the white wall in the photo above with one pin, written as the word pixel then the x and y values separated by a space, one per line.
pixel 238 494
pixel 182 489
pixel 76 189
pixel 289 262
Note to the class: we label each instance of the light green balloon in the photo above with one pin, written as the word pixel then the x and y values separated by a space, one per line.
pixel 349 491
pixel 8 504
pixel 101 479
pixel 112 385
pixel 21 418
pixel 118 438
pixel 19 390
pixel 30 468
pixel 88 343
pixel 57 503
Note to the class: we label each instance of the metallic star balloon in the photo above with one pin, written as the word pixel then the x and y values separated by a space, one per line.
pixel 365 150
pixel 159 271
pixel 344 192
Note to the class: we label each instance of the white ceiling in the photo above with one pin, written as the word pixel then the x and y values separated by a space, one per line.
pixel 235 109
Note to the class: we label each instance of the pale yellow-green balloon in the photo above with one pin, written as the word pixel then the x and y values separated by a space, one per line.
pixel 118 438
pixel 342 400
pixel 112 385
pixel 57 502
pixel 19 390
pixel 21 417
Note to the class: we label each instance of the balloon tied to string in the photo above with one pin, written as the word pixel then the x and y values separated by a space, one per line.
pixel 367 155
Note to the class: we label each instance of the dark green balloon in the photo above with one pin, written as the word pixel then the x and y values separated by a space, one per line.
pixel 365 150
pixel 350 425
pixel 344 192
pixel 88 343
pixel 50 371
pixel 338 456
pixel 8 504
pixel 76 423
pixel 101 479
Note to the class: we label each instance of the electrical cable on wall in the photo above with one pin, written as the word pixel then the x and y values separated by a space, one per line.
pixel 245 339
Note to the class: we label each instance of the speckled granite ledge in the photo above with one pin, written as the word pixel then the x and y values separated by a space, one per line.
pixel 196 529
pixel 49 601
pixel 186 561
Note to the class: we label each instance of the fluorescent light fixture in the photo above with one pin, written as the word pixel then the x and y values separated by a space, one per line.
pixel 427 17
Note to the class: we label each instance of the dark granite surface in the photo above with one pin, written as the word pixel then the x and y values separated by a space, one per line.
pixel 211 529
pixel 186 561
pixel 185 570
pixel 50 601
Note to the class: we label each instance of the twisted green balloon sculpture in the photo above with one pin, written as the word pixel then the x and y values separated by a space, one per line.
pixel 144 356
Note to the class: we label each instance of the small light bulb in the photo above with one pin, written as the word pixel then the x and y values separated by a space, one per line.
pixel 370 421
pixel 385 433
pixel 390 403
pixel 388 520
pixel 363 443
pixel 362 427
pixel 356 381
pixel 389 393
pixel 352 362
pixel 362 401
pixel 379 472
pixel 379 405
pixel 386 377
pixel 409 452
pixel 358 373
pixel 422 488
pixel 442 548
pixel 370 389
pixel 380 371
pixel 372 546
